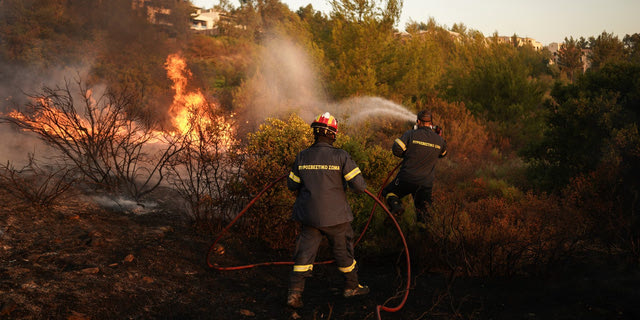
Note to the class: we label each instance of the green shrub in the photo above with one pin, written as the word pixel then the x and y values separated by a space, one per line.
pixel 271 152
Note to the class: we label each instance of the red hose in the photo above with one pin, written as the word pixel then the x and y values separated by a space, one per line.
pixel 377 201
pixel 233 222
pixel 406 250
pixel 366 225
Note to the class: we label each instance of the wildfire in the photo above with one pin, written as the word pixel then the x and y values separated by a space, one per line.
pixel 53 121
pixel 188 108
pixel 192 116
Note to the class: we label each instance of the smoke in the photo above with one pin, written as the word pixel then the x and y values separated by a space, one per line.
pixel 122 204
pixel 286 82
pixel 17 82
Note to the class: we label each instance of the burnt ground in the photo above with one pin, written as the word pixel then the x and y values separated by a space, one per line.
pixel 81 261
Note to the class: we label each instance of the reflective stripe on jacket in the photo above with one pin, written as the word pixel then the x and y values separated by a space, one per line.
pixel 420 149
pixel 321 173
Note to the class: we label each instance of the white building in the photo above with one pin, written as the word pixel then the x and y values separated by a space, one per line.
pixel 205 21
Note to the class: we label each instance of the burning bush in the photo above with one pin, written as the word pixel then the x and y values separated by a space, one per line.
pixel 207 170
pixel 110 148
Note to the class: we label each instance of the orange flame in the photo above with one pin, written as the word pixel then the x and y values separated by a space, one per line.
pixel 187 109
pixel 190 112
pixel 53 121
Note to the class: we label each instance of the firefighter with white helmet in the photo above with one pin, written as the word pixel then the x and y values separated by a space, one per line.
pixel 321 174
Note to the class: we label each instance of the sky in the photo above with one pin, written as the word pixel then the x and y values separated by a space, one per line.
pixel 544 20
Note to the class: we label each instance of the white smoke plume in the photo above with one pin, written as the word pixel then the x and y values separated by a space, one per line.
pixel 287 82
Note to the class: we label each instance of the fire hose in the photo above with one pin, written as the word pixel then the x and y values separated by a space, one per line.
pixel 213 247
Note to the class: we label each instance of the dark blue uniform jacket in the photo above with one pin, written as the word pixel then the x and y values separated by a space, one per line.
pixel 321 173
pixel 420 149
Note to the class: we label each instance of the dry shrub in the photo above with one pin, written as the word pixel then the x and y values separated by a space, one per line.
pixel 496 236
pixel 37 185
pixel 467 138
pixel 597 198
pixel 207 172
pixel 109 147
pixel 468 144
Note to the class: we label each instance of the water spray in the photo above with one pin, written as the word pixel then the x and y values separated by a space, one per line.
pixel 356 109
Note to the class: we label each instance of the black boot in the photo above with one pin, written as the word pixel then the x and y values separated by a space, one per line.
pixel 294 299
pixel 357 291
pixel 395 206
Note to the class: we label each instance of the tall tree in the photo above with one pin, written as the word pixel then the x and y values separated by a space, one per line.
pixel 592 122
pixel 604 49
pixel 570 58
pixel 632 47
pixel 362 48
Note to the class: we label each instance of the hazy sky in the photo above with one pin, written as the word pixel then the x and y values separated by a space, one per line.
pixel 544 20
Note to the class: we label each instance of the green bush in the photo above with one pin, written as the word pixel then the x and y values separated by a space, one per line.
pixel 271 152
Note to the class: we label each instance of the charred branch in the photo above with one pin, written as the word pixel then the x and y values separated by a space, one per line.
pixel 40 186
pixel 111 148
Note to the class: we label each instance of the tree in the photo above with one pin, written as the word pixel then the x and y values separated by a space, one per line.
pixel 582 43
pixel 459 28
pixel 499 83
pixel 632 47
pixel 605 48
pixel 361 50
pixel 591 122
pixel 570 58
pixel 354 10
pixel 591 148
pixel 514 40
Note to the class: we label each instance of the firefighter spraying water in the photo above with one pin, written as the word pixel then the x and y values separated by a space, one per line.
pixel 320 175
pixel 419 149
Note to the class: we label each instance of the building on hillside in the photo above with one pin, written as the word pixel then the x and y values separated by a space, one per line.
pixel 520 42
pixel 157 11
pixel 532 42
pixel 503 40
pixel 555 49
pixel 586 59
pixel 205 21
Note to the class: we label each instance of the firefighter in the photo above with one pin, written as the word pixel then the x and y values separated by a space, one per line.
pixel 321 174
pixel 419 149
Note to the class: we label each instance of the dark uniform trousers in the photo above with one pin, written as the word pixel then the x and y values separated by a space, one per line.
pixel 340 238
pixel 397 190
pixel 320 174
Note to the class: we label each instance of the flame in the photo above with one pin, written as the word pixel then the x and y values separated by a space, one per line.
pixel 188 108
pixel 191 115
pixel 53 121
